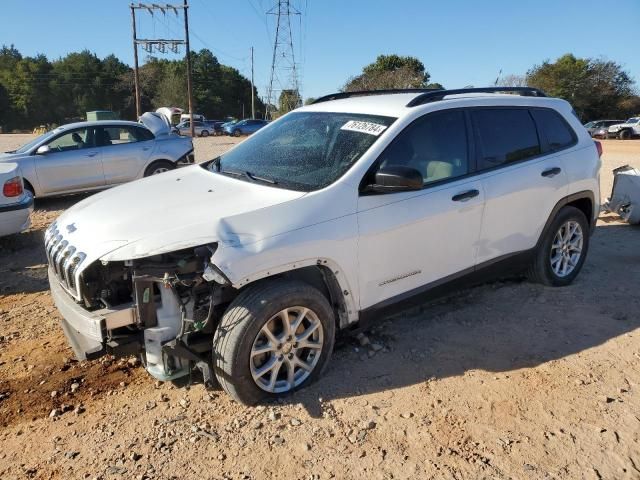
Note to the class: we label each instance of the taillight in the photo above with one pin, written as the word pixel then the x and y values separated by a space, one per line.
pixel 598 147
pixel 12 187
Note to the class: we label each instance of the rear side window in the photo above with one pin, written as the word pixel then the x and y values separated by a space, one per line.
pixel 505 135
pixel 554 129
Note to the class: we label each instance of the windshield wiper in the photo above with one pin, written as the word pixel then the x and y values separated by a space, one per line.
pixel 249 175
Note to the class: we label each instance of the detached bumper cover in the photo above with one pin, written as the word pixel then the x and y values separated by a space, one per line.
pixel 625 195
pixel 85 331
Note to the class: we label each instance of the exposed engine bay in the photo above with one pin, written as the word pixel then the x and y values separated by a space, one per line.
pixel 165 308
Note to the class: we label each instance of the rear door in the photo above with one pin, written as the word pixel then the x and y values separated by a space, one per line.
pixel 524 176
pixel 72 163
pixel 124 151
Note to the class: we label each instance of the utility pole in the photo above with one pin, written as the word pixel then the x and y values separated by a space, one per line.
pixel 283 62
pixel 188 53
pixel 160 45
pixel 136 77
pixel 253 103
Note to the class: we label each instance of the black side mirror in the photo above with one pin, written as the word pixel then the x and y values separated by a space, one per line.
pixel 396 178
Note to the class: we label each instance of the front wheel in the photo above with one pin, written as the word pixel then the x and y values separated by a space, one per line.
pixel 276 337
pixel 624 135
pixel 237 133
pixel 159 166
pixel 563 250
pixel 204 133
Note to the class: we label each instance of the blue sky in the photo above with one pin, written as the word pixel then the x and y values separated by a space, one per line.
pixel 460 42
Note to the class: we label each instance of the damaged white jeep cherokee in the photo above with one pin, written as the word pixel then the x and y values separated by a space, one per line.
pixel 245 266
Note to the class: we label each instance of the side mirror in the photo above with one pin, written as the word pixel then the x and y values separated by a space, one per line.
pixel 43 150
pixel 396 178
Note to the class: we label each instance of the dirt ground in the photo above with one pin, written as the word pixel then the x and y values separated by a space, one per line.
pixel 508 380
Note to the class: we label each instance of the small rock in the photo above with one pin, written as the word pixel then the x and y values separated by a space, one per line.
pixel 376 347
pixel 79 409
pixel 257 425
pixel 277 440
pixel 406 415
pixel 133 362
pixel 184 403
pixel 150 405
pixel 74 387
pixel 273 416
pixel 295 422
pixel 71 455
pixel 135 456
pixel 369 425
pixel 528 467
pixel 164 397
pixel 222 456
pixel 54 413
pixel 54 394
pixel 609 399
pixel 363 339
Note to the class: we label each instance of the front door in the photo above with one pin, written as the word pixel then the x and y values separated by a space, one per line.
pixel 72 164
pixel 412 240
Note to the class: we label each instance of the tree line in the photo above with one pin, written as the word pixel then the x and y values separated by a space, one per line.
pixel 597 88
pixel 36 91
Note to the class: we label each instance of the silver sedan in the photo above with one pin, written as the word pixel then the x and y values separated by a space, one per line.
pixel 88 156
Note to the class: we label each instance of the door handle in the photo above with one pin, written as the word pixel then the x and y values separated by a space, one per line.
pixel 145 148
pixel 92 154
pixel 551 172
pixel 464 196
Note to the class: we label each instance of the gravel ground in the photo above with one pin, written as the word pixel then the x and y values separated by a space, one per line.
pixel 506 380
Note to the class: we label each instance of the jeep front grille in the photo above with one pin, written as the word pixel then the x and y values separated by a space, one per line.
pixel 63 259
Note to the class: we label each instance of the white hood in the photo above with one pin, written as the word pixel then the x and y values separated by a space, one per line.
pixel 183 208
pixel 156 122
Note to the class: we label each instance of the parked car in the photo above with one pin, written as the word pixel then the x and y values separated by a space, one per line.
pixel 87 156
pixel 16 203
pixel 201 129
pixel 626 130
pixel 330 216
pixel 598 128
pixel 244 127
pixel 216 126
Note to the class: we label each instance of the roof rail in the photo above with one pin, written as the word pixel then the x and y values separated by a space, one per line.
pixel 437 95
pixel 363 93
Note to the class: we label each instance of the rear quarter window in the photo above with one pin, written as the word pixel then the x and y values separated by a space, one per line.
pixel 505 135
pixel 555 131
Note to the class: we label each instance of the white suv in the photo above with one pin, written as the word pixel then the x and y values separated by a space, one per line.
pixel 245 266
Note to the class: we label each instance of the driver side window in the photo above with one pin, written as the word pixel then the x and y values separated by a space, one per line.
pixel 435 145
pixel 74 140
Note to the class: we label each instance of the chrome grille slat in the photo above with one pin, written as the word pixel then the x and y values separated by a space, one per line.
pixel 63 258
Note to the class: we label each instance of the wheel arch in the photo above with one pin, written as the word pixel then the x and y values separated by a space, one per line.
pixel 323 274
pixel 583 201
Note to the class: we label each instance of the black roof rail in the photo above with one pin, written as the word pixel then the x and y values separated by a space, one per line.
pixel 437 95
pixel 363 93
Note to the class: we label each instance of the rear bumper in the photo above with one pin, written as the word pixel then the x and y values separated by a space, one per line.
pixel 15 218
pixel 85 331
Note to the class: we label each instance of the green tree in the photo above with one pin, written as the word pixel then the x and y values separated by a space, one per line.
pixel 288 100
pixel 595 88
pixel 390 71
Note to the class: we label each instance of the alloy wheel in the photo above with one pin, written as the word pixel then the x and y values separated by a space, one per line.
pixel 566 248
pixel 286 349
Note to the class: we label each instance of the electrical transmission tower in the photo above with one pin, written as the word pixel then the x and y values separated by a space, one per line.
pixel 284 75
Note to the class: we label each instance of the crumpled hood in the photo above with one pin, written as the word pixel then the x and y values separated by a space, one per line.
pixel 178 209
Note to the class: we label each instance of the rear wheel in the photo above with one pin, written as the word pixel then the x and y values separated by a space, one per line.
pixel 275 338
pixel 563 250
pixel 204 133
pixel 158 167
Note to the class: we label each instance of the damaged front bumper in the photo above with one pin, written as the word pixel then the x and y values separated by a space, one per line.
pixel 86 331
pixel 625 194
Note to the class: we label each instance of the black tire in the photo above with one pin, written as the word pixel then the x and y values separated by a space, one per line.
pixel 237 133
pixel 625 135
pixel 243 321
pixel 204 133
pixel 159 166
pixel 540 270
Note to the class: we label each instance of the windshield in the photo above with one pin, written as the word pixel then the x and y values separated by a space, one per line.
pixel 590 124
pixel 633 120
pixel 304 150
pixel 29 145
